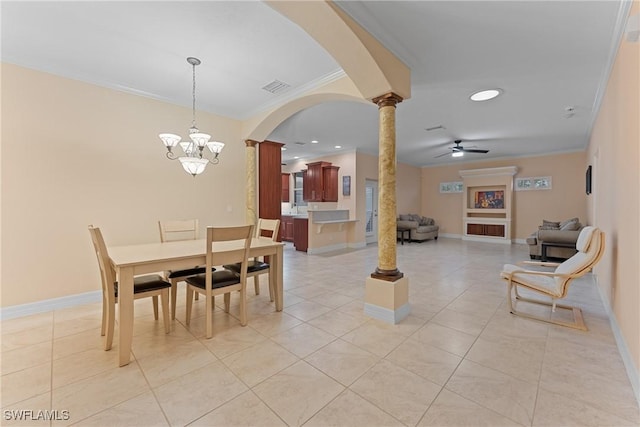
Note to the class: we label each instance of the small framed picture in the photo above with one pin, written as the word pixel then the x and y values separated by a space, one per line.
pixel 346 185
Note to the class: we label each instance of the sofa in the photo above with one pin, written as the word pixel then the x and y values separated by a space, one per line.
pixel 566 231
pixel 422 228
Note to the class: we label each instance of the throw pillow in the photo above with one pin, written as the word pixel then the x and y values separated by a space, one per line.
pixel 415 218
pixel 567 221
pixel 405 217
pixel 426 221
pixel 553 225
pixel 570 225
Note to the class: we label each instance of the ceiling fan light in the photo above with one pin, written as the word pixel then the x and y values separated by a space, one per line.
pixel 485 95
pixel 457 154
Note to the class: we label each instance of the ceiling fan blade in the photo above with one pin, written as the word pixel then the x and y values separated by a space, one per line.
pixel 442 155
pixel 468 150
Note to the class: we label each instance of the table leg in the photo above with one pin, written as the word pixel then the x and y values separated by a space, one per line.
pixel 125 315
pixel 278 260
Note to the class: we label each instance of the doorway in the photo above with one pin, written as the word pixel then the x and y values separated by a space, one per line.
pixel 371 209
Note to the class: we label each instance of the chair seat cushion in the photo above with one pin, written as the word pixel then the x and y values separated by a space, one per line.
pixel 219 279
pixel 150 282
pixel 252 266
pixel 189 272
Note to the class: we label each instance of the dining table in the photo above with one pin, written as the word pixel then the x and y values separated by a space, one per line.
pixel 133 260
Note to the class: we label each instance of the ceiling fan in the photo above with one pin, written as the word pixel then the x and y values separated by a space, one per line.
pixel 458 150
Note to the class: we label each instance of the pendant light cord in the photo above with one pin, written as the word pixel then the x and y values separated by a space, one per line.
pixel 193 122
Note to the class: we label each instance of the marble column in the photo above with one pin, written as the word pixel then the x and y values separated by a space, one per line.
pixel 250 162
pixel 387 290
pixel 387 269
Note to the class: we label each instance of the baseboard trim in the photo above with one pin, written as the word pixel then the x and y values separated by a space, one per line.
pixel 632 371
pixel 43 306
pixel 450 235
pixel 357 245
pixel 387 315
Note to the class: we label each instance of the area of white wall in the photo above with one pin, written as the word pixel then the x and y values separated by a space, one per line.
pixel 75 154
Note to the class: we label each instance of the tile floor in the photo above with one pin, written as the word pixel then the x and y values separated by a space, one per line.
pixel 459 359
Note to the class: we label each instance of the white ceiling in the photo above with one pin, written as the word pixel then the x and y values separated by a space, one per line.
pixel 545 56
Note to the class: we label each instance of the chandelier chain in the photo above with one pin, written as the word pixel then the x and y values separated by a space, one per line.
pixel 193 121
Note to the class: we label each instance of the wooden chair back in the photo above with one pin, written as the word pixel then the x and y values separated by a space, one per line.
pixel 107 274
pixel 268 228
pixel 172 230
pixel 221 235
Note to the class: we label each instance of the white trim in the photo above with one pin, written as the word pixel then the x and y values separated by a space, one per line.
pixel 43 306
pixel 450 235
pixel 487 239
pixel 627 359
pixel 387 315
pixel 520 241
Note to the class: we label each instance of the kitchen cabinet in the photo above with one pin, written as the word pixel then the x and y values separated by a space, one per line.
pixel 320 182
pixel 269 179
pixel 301 234
pixel 286 228
pixel 285 187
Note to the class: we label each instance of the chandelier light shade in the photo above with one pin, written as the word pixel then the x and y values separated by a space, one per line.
pixel 194 161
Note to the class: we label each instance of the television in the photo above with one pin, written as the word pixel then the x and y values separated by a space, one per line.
pixel 588 180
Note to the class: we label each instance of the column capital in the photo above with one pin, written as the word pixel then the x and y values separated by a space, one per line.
pixel 250 142
pixel 388 99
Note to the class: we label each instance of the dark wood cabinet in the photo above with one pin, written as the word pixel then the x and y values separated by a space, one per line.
pixel 285 187
pixel 269 179
pixel 320 182
pixel 286 228
pixel 495 230
pixel 301 234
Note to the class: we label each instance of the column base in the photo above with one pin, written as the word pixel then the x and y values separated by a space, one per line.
pixel 387 301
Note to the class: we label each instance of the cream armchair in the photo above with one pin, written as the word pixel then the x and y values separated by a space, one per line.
pixel 422 228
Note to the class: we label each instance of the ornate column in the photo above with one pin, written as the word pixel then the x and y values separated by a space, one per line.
pixel 250 162
pixel 387 290
pixel 387 269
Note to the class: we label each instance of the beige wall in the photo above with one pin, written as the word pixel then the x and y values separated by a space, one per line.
pixel 614 152
pixel 566 199
pixel 75 154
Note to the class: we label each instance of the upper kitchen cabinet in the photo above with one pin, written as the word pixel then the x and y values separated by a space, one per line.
pixel 321 182
pixel 285 187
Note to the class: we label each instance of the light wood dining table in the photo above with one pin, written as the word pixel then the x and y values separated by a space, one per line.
pixel 132 260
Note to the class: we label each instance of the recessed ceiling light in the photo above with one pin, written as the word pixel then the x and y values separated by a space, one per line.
pixel 283 148
pixel 296 157
pixel 338 146
pixel 314 142
pixel 485 95
pixel 457 154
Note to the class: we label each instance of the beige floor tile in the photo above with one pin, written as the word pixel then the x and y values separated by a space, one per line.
pixel 25 384
pixel 274 323
pixel 402 394
pixel 298 392
pixel 517 357
pixel 337 323
pixel 174 362
pixel 429 362
pixel 444 338
pixel 306 310
pixel 92 395
pixel 140 411
pixel 332 299
pixel 463 322
pixel 27 323
pixel 349 409
pixel 72 326
pixel 259 362
pixel 18 415
pixel 77 343
pixel 309 292
pixel 452 410
pixel 499 392
pixel 221 322
pixel 25 357
pixel 554 409
pixel 233 340
pixel 20 338
pixel 303 340
pixel 599 391
pixel 289 299
pixel 245 410
pixel 355 309
pixel 375 337
pixel 193 395
pixel 78 366
pixel 342 361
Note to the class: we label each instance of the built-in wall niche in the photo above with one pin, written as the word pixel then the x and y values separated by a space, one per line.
pixel 487 204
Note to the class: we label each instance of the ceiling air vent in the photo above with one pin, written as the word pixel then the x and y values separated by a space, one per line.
pixel 299 143
pixel 435 128
pixel 276 86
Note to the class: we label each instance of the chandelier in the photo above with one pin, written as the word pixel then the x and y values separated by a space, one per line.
pixel 194 161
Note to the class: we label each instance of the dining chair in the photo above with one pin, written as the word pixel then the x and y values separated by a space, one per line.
pixel 174 230
pixel 266 228
pixel 148 285
pixel 555 284
pixel 224 281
